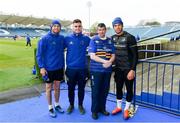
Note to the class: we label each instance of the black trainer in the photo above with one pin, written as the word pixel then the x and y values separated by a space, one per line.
pixel 52 113
pixel 106 113
pixel 81 109
pixel 70 109
pixel 59 109
pixel 95 116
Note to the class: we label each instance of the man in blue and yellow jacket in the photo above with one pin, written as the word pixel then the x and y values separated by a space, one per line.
pixel 102 54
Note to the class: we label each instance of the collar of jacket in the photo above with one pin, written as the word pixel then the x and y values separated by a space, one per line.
pixel 77 34
pixel 53 34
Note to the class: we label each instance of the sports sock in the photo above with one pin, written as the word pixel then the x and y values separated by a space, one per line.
pixel 119 103
pixel 50 107
pixel 127 105
pixel 56 104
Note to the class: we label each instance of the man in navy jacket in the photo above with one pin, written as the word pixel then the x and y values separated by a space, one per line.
pixel 125 65
pixel 76 60
pixel 50 58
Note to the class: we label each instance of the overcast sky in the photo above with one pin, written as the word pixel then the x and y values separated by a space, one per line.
pixel 131 11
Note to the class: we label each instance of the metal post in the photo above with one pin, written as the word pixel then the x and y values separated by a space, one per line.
pixel 89 4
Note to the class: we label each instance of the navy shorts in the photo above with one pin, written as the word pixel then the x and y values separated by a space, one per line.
pixel 56 75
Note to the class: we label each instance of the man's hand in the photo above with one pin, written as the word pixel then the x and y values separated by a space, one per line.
pixel 43 71
pixel 131 75
pixel 107 64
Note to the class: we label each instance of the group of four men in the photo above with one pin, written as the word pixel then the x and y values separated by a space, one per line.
pixel 120 49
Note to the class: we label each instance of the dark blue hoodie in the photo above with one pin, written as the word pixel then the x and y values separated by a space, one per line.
pixel 76 45
pixel 50 52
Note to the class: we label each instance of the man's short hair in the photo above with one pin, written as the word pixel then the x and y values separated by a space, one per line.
pixel 77 21
pixel 101 25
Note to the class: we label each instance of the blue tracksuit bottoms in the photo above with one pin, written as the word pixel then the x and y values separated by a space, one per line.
pixel 100 83
pixel 76 77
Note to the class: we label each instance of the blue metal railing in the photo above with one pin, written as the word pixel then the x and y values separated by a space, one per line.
pixel 158 94
pixel 160 51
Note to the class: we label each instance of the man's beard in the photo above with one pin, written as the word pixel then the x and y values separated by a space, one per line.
pixel 119 32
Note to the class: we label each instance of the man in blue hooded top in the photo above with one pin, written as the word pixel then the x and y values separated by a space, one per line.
pixel 50 58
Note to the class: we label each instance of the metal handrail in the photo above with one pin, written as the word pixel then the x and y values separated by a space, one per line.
pixel 157 36
pixel 160 51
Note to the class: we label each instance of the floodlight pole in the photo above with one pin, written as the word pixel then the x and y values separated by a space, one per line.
pixel 89 4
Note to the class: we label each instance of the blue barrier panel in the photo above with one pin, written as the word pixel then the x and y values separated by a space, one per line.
pixel 164 97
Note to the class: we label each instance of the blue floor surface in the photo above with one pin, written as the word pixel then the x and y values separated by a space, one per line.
pixel 36 110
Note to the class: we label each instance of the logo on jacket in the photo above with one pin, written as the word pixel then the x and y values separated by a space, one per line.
pixel 71 43
pixel 54 43
pixel 97 41
pixel 122 39
pixel 115 38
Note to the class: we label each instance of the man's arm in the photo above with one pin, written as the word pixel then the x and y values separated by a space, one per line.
pixel 96 58
pixel 110 61
pixel 134 50
pixel 39 57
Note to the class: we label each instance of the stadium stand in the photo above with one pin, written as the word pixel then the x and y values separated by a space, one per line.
pixel 12 25
pixel 33 32
pixel 147 31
